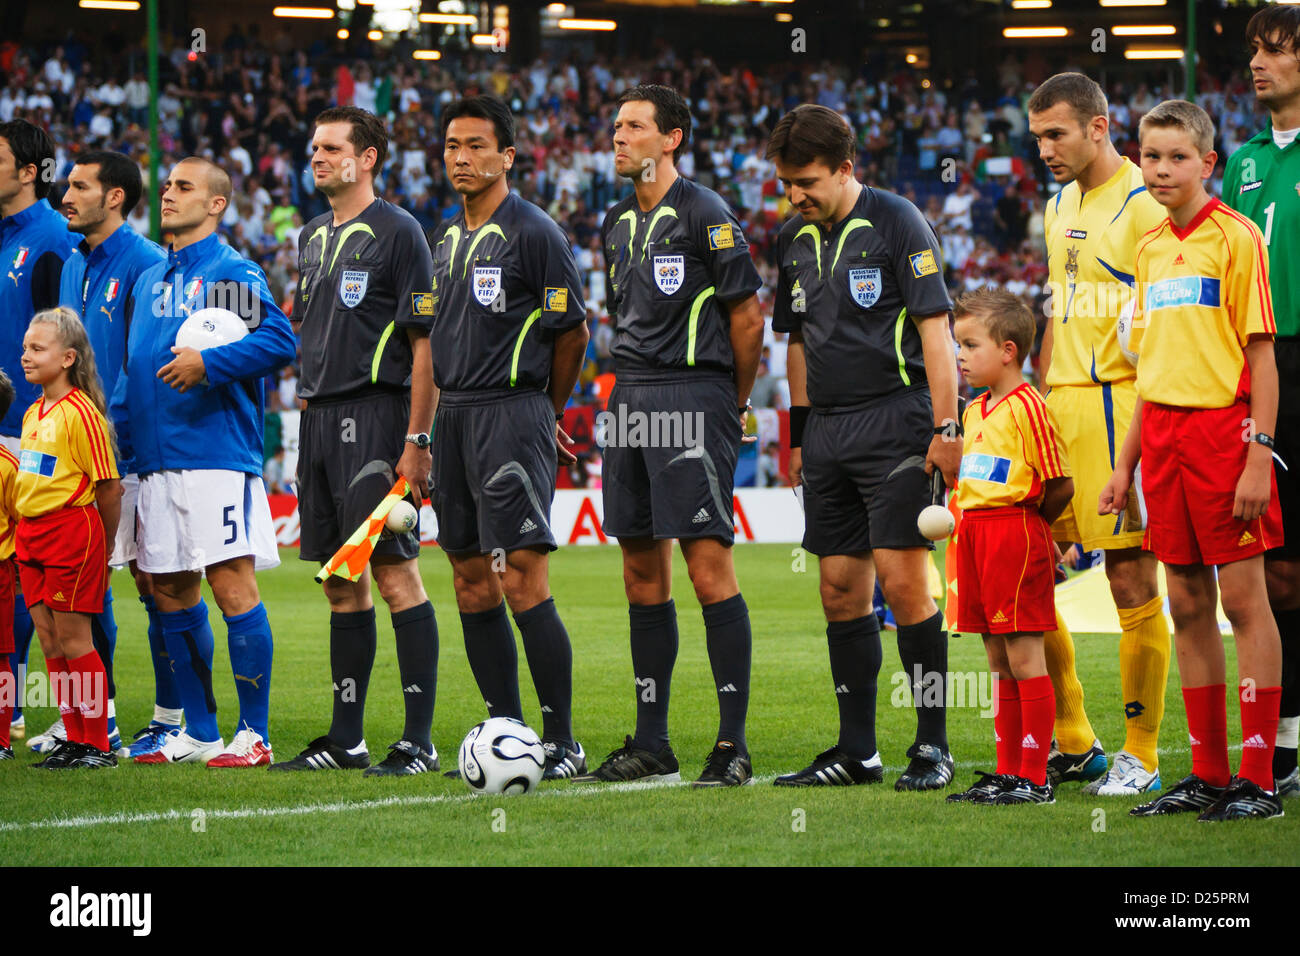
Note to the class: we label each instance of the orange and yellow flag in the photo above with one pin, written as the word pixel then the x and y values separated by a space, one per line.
pixel 350 560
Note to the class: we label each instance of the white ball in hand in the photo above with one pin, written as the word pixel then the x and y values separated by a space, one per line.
pixel 402 518
pixel 935 522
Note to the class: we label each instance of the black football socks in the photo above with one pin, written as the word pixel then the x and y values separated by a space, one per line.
pixel 352 655
pixel 654 652
pixel 855 665
pixel 923 649
pixel 730 646
pixel 550 661
pixel 490 647
pixel 416 631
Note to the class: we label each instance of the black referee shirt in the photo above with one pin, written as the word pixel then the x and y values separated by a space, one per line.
pixel 361 286
pixel 501 293
pixel 851 291
pixel 672 271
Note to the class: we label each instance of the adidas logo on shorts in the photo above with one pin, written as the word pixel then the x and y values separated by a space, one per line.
pixel 527 526
pixel 1245 539
pixel 999 618
pixel 701 517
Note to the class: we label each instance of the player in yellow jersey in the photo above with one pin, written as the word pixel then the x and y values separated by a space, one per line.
pixel 68 498
pixel 1092 227
pixel 1207 405
pixel 8 575
pixel 1014 481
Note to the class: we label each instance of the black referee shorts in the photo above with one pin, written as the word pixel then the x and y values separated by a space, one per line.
pixel 1287 436
pixel 347 453
pixel 494 469
pixel 864 480
pixel 670 446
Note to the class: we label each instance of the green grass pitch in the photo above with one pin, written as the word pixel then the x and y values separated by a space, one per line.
pixel 188 815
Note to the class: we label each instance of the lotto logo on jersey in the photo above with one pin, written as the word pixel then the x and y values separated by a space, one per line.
pixel 555 300
pixel 422 303
pixel 352 287
pixel 721 237
pixel 1183 291
pixel 669 272
pixel 923 263
pixel 1247 187
pixel 487 283
pixel 864 286
pixel 36 463
pixel 1076 234
pixel 985 468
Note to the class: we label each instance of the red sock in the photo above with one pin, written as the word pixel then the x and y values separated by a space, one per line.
pixel 90 698
pixel 60 681
pixel 1259 735
pixel 1207 726
pixel 1037 716
pixel 1006 726
pixel 8 696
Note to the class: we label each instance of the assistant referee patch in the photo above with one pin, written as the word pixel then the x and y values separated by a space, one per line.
pixel 422 303
pixel 555 300
pixel 923 263
pixel 720 236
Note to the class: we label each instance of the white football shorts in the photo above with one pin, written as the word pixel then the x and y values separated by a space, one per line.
pixel 124 547
pixel 191 520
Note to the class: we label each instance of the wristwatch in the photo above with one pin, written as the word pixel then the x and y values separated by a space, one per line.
pixel 1264 439
pixel 419 439
pixel 746 408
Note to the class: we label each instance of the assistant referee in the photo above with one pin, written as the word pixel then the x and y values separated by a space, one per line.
pixel 364 308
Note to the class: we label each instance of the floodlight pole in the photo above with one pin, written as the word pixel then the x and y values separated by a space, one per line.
pixel 155 200
pixel 1190 56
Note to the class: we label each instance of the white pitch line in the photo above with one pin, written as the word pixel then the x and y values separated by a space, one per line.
pixel 306 809
pixel 309 809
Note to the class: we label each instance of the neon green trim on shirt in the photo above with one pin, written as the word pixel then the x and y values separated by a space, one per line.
pixel 519 344
pixel 379 352
pixel 848 228
pixel 343 237
pixel 630 216
pixel 813 233
pixel 645 240
pixel 452 233
pixel 695 322
pixel 324 238
pixel 898 347
pixel 485 231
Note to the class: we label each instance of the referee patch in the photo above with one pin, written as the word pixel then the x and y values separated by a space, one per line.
pixel 422 303
pixel 555 300
pixel 923 263
pixel 720 236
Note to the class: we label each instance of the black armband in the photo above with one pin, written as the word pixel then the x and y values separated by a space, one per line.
pixel 798 418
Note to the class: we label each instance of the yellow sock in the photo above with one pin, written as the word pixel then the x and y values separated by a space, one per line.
pixel 1073 731
pixel 1143 674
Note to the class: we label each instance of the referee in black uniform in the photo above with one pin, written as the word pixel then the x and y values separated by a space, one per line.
pixel 873 393
pixel 509 336
pixel 687 337
pixel 364 308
